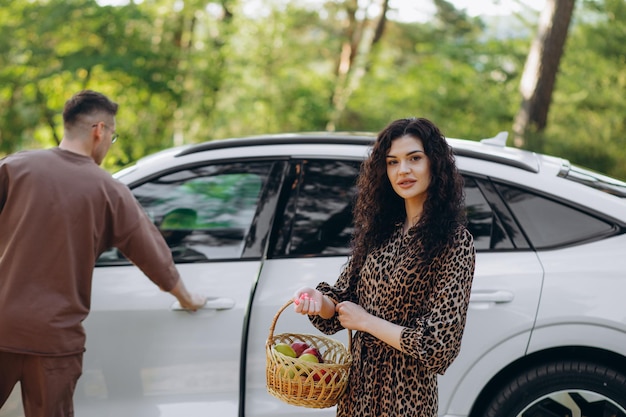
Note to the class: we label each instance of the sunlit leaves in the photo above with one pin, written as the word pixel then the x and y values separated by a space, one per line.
pixel 195 70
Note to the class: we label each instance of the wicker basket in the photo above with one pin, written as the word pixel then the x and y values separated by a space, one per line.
pixel 302 383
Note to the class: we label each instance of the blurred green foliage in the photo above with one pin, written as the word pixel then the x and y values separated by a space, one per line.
pixel 196 70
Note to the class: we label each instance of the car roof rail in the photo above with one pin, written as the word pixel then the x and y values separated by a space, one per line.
pixel 522 159
pixel 334 138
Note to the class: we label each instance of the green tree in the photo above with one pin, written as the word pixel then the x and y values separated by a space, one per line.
pixel 540 70
pixel 445 70
pixel 587 123
pixel 195 70
pixel 140 55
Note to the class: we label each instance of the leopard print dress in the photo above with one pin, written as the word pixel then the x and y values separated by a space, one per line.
pixel 430 301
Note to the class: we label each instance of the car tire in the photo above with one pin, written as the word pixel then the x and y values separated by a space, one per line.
pixel 560 389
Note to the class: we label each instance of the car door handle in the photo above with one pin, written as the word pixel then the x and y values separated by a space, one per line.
pixel 212 303
pixel 497 296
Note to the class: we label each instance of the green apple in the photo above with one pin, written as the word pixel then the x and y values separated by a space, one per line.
pixel 289 373
pixel 309 357
pixel 314 351
pixel 286 350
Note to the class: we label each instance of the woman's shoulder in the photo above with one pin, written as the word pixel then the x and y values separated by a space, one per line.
pixel 461 231
pixel 462 236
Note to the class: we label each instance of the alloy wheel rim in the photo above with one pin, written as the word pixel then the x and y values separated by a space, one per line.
pixel 573 403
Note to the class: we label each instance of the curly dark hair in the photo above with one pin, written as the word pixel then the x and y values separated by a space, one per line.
pixel 378 209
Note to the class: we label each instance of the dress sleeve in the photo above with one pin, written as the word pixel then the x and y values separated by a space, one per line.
pixel 436 338
pixel 343 290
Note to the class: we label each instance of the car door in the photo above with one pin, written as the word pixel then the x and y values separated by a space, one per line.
pixel 147 357
pixel 504 300
pixel 310 244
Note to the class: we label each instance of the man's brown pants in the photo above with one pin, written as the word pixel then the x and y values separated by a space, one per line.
pixel 48 382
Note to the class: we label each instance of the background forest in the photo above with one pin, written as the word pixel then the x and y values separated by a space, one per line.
pixel 186 71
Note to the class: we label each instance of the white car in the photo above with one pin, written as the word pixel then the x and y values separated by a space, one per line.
pixel 250 220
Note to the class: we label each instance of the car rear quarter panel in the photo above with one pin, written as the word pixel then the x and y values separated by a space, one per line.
pixel 583 297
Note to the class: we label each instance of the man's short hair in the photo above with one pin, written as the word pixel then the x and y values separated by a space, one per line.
pixel 87 102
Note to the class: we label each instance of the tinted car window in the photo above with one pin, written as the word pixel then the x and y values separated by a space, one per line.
pixel 204 213
pixel 549 223
pixel 483 223
pixel 318 215
pixel 318 218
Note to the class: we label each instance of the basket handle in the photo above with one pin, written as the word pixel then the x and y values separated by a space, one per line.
pixel 287 304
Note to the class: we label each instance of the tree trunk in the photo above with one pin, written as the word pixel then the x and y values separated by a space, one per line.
pixel 541 68
pixel 361 36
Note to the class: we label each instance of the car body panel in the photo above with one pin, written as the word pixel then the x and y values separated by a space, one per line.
pixel 464 394
pixel 501 313
pixel 182 363
pixel 277 283
pixel 582 302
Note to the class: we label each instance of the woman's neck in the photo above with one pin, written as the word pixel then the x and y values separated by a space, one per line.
pixel 413 216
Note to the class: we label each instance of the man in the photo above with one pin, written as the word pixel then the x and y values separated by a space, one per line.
pixel 58 212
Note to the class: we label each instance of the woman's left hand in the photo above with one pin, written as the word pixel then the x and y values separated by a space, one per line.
pixel 352 316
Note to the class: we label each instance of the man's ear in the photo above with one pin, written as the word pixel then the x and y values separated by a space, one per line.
pixel 97 133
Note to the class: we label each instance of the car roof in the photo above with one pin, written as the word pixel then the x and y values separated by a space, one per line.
pixel 357 144
pixel 490 149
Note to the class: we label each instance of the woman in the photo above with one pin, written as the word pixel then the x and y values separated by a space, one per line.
pixel 405 291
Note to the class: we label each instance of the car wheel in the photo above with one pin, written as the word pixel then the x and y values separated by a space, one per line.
pixel 562 389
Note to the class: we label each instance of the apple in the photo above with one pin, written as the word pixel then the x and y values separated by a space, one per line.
pixel 319 375
pixel 299 347
pixel 315 352
pixel 289 373
pixel 309 357
pixel 286 350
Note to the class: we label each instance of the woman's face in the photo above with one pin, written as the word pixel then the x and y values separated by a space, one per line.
pixel 408 169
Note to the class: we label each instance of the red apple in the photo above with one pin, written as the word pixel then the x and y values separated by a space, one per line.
pixel 299 347
pixel 320 375
pixel 313 351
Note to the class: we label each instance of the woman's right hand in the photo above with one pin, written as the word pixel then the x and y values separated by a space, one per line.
pixel 308 300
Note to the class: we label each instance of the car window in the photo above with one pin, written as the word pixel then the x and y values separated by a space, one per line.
pixel 483 223
pixel 317 219
pixel 204 213
pixel 549 223
pixel 318 215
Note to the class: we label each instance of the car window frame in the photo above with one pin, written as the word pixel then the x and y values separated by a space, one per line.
pixel 287 208
pixel 615 226
pixel 254 244
pixel 502 216
pixel 286 212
